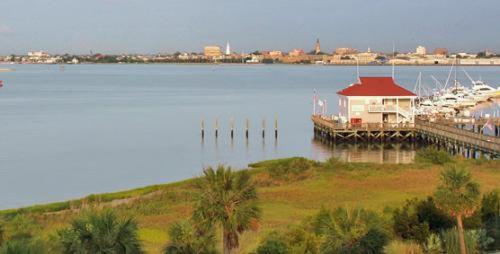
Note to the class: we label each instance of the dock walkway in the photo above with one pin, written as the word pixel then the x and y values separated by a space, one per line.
pixel 450 135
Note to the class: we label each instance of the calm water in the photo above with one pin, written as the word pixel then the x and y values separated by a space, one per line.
pixel 100 128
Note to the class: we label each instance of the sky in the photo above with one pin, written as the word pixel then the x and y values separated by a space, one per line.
pixel 154 26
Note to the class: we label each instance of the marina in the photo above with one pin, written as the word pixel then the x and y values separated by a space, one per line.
pixel 378 109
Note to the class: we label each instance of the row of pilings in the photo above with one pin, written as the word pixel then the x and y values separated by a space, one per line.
pixel 232 128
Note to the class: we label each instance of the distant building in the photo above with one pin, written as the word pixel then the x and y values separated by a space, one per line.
pixel 228 49
pixel 376 100
pixel 345 51
pixel 366 57
pixel 38 54
pixel 441 51
pixel 317 48
pixel 421 50
pixel 212 52
pixel 296 52
pixel 275 53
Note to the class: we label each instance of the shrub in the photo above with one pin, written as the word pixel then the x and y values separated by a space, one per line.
pixel 185 239
pixel 273 244
pixel 451 244
pixel 407 224
pixel 100 233
pixel 300 240
pixel 433 156
pixel 416 220
pixel 490 205
pixel 435 218
pixel 373 242
pixel 23 246
pixel 356 231
pixel 490 217
pixel 400 247
pixel 433 244
pixel 293 167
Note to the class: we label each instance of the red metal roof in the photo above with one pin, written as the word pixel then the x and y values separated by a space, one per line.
pixel 375 86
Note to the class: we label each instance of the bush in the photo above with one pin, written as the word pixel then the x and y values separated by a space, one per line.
pixel 273 244
pixel 416 220
pixel 100 232
pixel 451 243
pixel 23 246
pixel 433 244
pixel 185 239
pixel 490 217
pixel 407 224
pixel 434 217
pixel 344 231
pixel 433 156
pixel 400 247
pixel 373 242
pixel 284 168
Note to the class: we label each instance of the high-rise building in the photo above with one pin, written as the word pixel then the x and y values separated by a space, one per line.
pixel 421 50
pixel 317 49
pixel 228 49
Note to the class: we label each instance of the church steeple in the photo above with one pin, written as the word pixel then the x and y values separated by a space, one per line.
pixel 317 49
pixel 228 49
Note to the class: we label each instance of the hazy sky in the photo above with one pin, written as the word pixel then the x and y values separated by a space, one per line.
pixel 151 26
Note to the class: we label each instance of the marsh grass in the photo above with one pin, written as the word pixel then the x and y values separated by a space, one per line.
pixel 287 199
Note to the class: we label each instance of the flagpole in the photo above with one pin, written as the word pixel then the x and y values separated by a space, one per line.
pixel 314 102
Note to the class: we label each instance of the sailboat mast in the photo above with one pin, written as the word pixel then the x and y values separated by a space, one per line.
pixel 393 56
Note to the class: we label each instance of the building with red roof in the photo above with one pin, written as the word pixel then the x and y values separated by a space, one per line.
pixel 376 100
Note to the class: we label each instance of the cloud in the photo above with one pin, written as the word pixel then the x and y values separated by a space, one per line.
pixel 5 29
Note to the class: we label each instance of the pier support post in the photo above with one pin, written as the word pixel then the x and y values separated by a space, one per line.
pixel 202 129
pixel 263 128
pixel 232 128
pixel 247 126
pixel 276 127
pixel 216 128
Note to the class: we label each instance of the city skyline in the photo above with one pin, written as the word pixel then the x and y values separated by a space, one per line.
pixel 132 26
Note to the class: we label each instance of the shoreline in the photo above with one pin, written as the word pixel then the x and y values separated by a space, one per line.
pixel 254 64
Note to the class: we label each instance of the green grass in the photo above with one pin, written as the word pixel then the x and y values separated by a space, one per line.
pixel 284 199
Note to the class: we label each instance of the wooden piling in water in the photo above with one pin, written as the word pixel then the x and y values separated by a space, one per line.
pixel 232 128
pixel 263 128
pixel 276 127
pixel 216 128
pixel 202 128
pixel 247 126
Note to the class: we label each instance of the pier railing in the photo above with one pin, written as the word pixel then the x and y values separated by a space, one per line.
pixel 464 136
pixel 362 126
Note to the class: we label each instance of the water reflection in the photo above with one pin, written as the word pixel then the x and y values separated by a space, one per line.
pixel 364 152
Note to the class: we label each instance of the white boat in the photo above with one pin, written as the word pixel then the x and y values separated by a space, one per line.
pixel 481 88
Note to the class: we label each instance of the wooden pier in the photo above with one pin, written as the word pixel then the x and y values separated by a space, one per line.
pixel 449 135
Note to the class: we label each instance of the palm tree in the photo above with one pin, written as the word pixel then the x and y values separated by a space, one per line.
pixel 458 196
pixel 185 239
pixel 101 233
pixel 228 199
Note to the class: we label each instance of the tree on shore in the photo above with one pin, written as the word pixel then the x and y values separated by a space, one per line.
pixel 458 195
pixel 228 199
pixel 101 233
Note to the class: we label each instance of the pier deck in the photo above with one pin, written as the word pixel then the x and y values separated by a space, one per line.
pixel 450 135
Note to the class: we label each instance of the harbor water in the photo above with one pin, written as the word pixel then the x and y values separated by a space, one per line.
pixel 69 132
